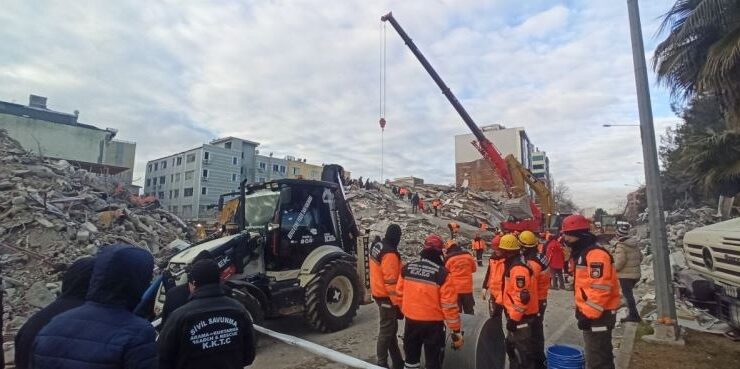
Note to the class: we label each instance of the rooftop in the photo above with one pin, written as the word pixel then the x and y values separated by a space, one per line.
pixel 228 138
pixel 36 109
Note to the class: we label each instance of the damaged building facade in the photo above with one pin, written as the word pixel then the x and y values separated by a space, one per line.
pixel 60 135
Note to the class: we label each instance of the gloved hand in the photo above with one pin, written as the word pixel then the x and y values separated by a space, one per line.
pixel 511 325
pixel 584 323
pixel 399 313
pixel 457 340
pixel 483 294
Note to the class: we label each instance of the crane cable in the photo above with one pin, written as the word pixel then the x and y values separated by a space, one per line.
pixel 382 93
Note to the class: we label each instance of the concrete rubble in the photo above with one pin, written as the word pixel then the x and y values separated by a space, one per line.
pixel 52 214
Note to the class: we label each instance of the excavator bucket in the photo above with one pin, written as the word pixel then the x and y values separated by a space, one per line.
pixel 518 207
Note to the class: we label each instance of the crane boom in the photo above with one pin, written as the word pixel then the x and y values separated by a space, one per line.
pixel 484 145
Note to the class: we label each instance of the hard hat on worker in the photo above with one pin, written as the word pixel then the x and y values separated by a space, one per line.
pixel 433 242
pixel 528 239
pixel 576 222
pixel 509 242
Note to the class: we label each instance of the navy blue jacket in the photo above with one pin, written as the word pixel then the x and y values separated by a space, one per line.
pixel 103 333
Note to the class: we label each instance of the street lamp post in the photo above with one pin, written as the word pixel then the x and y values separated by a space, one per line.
pixel 620 125
pixel 666 327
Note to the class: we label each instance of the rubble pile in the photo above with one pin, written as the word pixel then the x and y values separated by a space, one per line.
pixel 52 214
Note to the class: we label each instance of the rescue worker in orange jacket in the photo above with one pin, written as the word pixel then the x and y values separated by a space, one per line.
pixel 479 245
pixel 520 305
pixel 461 266
pixel 597 292
pixel 493 282
pixel 454 229
pixel 436 204
pixel 539 265
pixel 429 302
pixel 385 270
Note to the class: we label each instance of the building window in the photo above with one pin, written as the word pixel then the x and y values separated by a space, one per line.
pixel 262 179
pixel 263 166
pixel 233 177
pixel 538 157
pixel 164 164
pixel 189 175
pixel 282 169
pixel 234 160
pixel 205 173
pixel 170 193
pixel 227 145
pixel 188 192
pixel 173 162
pixel 172 178
pixel 174 209
pixel 154 181
pixel 161 180
pixel 161 195
pixel 204 190
pixel 177 177
pixel 241 170
pixel 189 159
pixel 275 168
pixel 206 156
pixel 538 166
pixel 148 182
pixel 187 211
pixel 295 171
pixel 242 154
pixel 149 168
pixel 156 166
pixel 179 160
pixel 176 194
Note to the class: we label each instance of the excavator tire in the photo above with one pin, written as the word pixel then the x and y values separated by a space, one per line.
pixel 256 313
pixel 333 296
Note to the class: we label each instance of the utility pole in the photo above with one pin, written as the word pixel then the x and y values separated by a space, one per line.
pixel 666 327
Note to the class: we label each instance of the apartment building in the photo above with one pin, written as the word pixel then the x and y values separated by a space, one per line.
pixel 190 182
pixel 300 168
pixel 541 167
pixel 269 167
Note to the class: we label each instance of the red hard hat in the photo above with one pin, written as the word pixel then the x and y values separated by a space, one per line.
pixel 576 222
pixel 434 242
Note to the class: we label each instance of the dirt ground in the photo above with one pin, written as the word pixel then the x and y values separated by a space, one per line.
pixel 702 351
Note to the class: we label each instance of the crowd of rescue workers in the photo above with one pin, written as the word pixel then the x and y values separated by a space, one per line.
pixel 432 292
pixel 96 322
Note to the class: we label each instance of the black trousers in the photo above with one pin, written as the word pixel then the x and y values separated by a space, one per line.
pixel 628 285
pixel 538 337
pixel 479 257
pixel 387 344
pixel 435 212
pixel 465 302
pixel 520 347
pixel 598 347
pixel 427 335
pixel 557 279
pixel 495 310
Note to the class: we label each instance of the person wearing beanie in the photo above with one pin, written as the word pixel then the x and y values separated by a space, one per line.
pixel 385 269
pixel 627 261
pixel 74 289
pixel 429 303
pixel 210 331
pixel 596 288
pixel 179 295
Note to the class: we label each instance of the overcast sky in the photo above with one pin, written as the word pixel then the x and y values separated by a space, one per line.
pixel 301 78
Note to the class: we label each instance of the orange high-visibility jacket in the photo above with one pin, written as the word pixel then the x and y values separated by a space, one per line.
pixel 494 280
pixel 542 276
pixel 461 267
pixel 385 269
pixel 479 244
pixel 428 294
pixel 483 227
pixel 595 282
pixel 454 227
pixel 519 299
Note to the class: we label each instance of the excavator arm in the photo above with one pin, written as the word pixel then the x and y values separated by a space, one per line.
pixel 522 176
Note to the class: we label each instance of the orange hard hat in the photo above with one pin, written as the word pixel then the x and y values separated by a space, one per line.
pixel 434 242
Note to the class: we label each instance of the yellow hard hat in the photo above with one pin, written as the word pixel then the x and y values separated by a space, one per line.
pixel 509 242
pixel 528 239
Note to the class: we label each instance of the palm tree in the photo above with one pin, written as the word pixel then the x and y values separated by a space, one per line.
pixel 701 57
pixel 701 53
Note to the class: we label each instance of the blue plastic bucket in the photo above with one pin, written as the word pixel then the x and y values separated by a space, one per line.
pixel 565 357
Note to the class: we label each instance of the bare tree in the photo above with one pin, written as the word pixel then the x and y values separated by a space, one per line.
pixel 563 199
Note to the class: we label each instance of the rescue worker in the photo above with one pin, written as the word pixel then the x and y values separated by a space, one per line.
pixel 493 282
pixel 436 204
pixel 429 302
pixel 415 203
pixel 385 269
pixel 479 245
pixel 483 227
pixel 454 229
pixel 627 261
pixel 461 266
pixel 596 291
pixel 421 205
pixel 556 257
pixel 520 305
pixel 539 265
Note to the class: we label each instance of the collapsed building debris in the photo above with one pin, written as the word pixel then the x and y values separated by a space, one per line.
pixel 52 214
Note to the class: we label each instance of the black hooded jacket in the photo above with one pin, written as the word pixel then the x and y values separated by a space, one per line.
pixel 74 288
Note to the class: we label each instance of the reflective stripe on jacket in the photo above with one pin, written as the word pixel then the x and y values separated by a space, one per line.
pixel 385 268
pixel 595 283
pixel 519 283
pixel 461 267
pixel 427 294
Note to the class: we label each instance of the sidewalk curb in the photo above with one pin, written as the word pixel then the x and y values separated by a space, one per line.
pixel 625 350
